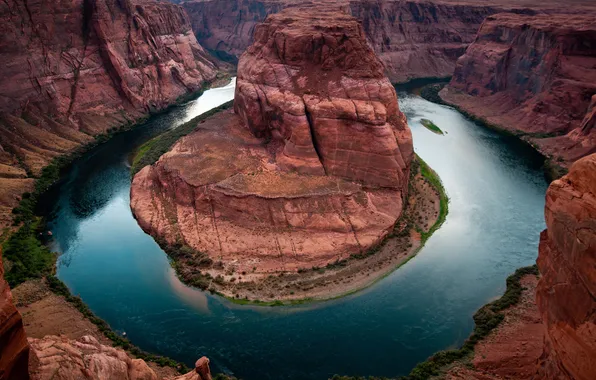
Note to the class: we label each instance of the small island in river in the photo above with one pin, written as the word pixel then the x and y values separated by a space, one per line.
pixel 309 188
pixel 431 126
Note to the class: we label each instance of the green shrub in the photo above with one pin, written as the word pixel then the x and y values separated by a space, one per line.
pixel 150 152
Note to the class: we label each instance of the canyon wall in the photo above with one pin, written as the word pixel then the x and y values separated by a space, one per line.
pixel 412 38
pixel 534 76
pixel 72 70
pixel 312 167
pixel 566 294
pixel 14 349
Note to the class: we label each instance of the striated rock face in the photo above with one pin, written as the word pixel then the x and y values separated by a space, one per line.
pixel 59 358
pixel 534 76
pixel 321 93
pixel 14 350
pixel 74 69
pixel 313 165
pixel 566 294
pixel 412 38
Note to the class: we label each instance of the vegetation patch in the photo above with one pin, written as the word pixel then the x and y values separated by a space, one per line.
pixel 433 179
pixel 25 254
pixel 150 152
pixel 431 126
pixel 486 320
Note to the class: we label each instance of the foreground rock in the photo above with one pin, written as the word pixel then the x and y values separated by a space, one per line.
pixel 59 358
pixel 14 349
pixel 551 335
pixel 534 76
pixel 311 168
pixel 566 294
pixel 73 70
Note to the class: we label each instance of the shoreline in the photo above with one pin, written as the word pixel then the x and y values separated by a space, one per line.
pixel 342 278
pixel 487 320
pixel 27 233
pixel 551 169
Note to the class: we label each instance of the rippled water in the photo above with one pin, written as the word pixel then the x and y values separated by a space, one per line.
pixel 496 213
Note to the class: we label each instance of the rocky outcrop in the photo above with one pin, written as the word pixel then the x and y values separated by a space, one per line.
pixel 534 76
pixel 312 167
pixel 412 38
pixel 72 70
pixel 59 358
pixel 566 294
pixel 14 349
pixel 552 335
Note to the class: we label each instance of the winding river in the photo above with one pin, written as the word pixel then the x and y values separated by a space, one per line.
pixel 496 191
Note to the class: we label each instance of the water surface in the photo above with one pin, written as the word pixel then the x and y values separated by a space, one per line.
pixel 496 192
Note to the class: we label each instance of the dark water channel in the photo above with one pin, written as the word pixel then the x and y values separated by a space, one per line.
pixel 496 195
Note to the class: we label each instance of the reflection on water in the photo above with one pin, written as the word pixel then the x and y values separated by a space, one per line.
pixel 496 200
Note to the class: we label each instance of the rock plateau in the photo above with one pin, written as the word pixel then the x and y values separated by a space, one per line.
pixel 312 167
pixel 73 70
pixel 534 76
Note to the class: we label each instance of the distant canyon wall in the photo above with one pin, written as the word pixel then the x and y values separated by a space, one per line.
pixel 72 70
pixel 413 39
pixel 536 77
pixel 566 293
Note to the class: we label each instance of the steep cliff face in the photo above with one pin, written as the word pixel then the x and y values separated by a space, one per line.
pixel 311 168
pixel 566 294
pixel 74 69
pixel 412 38
pixel 14 349
pixel 534 76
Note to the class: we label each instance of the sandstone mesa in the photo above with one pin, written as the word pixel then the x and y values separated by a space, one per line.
pixel 312 167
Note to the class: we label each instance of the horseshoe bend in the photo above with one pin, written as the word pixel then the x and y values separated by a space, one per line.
pixel 311 168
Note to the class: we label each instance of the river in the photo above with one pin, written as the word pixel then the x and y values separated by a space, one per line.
pixel 496 191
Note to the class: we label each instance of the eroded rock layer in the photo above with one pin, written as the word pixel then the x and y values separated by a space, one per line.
pixel 566 294
pixel 72 70
pixel 14 349
pixel 313 165
pixel 534 76
pixel 413 38
pixel 59 358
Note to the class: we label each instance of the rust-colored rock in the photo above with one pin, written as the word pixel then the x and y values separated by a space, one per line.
pixel 312 166
pixel 534 76
pixel 413 38
pixel 14 349
pixel 74 69
pixel 566 294
pixel 59 358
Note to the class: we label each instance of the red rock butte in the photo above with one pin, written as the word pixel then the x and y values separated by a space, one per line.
pixel 311 167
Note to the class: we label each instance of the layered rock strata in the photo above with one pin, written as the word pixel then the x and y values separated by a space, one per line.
pixel 566 294
pixel 14 349
pixel 312 167
pixel 551 333
pixel 413 38
pixel 534 76
pixel 72 70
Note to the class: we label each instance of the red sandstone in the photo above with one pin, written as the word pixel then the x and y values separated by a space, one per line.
pixel 74 69
pixel 534 76
pixel 312 168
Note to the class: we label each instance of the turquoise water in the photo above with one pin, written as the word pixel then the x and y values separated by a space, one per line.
pixel 496 191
